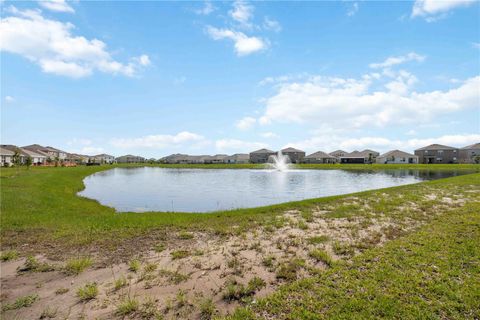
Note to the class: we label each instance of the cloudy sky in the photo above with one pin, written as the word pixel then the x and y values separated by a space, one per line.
pixel 154 78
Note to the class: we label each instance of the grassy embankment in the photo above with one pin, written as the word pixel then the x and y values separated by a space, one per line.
pixel 433 273
pixel 40 210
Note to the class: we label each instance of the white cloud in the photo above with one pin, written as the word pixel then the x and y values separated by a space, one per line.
pixel 269 135
pixel 432 10
pixel 244 45
pixel 56 5
pixel 91 150
pixel 353 102
pixel 79 141
pixel 353 9
pixel 271 24
pixel 242 13
pixel 328 142
pixel 234 145
pixel 207 8
pixel 9 99
pixel 159 141
pixel 51 45
pixel 476 45
pixel 392 61
pixel 245 123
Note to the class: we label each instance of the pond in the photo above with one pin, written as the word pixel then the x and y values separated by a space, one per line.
pixel 204 190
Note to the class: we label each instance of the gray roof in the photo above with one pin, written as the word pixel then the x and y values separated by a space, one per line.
pixel 238 156
pixel 397 153
pixel 337 151
pixel 6 152
pixel 370 151
pixel 31 153
pixel 104 155
pixel 320 155
pixel 436 147
pixel 472 146
pixel 263 151
pixel 290 149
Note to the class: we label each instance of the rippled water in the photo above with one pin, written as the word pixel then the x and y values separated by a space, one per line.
pixel 202 190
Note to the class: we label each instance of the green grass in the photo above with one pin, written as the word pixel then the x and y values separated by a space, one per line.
pixel 134 265
pixel 429 274
pixel 33 265
pixel 321 256
pixel 76 266
pixel 40 208
pixel 9 255
pixel 88 292
pixel 179 254
pixel 127 306
pixel 22 302
pixel 318 239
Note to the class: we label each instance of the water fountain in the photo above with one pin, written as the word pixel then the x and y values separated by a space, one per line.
pixel 280 162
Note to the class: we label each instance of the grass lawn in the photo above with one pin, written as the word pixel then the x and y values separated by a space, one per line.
pixel 40 210
pixel 433 273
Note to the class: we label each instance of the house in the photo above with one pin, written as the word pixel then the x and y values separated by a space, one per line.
pixel 130 159
pixel 470 154
pixel 397 156
pixel 295 155
pixel 52 153
pixel 104 158
pixel 320 157
pixel 437 153
pixel 6 157
pixel 173 158
pixel 338 153
pixel 218 158
pixel 365 156
pixel 38 159
pixel 78 158
pixel 261 156
pixel 237 158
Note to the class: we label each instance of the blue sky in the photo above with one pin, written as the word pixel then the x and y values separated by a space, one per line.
pixel 154 78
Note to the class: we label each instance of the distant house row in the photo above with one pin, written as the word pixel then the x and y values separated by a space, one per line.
pixel 38 155
pixel 43 156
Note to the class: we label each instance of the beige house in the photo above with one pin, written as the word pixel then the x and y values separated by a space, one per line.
pixel 6 157
pixel 397 157
pixel 104 158
pixel 320 157
pixel 338 153
pixel 237 158
pixel 130 159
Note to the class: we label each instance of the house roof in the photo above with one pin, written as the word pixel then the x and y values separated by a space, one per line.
pixel 436 147
pixel 472 146
pixel 397 153
pixel 337 151
pixel 31 153
pixel 319 155
pixel 54 149
pixel 263 151
pixel 290 149
pixel 6 152
pixel 104 155
pixel 238 156
pixel 370 151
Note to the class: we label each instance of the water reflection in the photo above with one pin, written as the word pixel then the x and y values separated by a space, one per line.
pixel 202 190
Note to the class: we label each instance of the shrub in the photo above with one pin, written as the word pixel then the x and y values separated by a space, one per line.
pixel 9 255
pixel 76 266
pixel 180 254
pixel 185 235
pixel 88 292
pixel 33 265
pixel 127 306
pixel 318 239
pixel 21 302
pixel 134 265
pixel 207 309
pixel 160 247
pixel 120 283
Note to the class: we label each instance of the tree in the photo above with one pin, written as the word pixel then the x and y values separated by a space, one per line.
pixel 56 161
pixel 16 157
pixel 28 161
